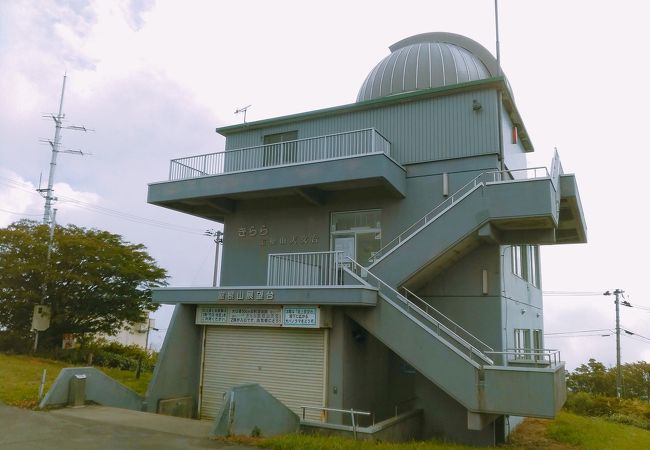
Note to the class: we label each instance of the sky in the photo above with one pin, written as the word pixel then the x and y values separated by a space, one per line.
pixel 154 79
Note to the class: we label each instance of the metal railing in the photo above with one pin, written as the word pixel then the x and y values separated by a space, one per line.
pixel 350 411
pixel 332 146
pixel 408 401
pixel 305 269
pixel 474 351
pixel 498 176
pixel 446 321
pixel 546 357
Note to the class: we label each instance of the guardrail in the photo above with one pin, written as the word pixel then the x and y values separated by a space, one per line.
pixel 484 178
pixel 350 411
pixel 321 148
pixel 305 269
pixel 540 356
pixel 473 352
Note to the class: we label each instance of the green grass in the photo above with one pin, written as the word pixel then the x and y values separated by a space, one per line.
pixel 592 433
pixel 20 377
pixel 307 442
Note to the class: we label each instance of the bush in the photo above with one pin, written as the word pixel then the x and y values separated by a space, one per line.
pixel 625 411
pixel 107 354
pixel 11 342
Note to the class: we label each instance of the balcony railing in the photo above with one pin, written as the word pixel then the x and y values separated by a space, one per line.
pixel 535 357
pixel 332 146
pixel 305 269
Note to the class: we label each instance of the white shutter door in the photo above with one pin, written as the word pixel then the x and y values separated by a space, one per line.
pixel 289 363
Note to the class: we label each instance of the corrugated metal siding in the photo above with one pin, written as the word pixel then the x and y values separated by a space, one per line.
pixel 425 130
pixel 289 363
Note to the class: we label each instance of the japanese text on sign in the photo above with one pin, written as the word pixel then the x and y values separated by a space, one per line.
pixel 300 317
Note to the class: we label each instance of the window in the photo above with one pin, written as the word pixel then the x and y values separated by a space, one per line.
pixel 522 343
pixel 517 261
pixel 280 148
pixel 533 265
pixel 538 344
pixel 525 263
pixel 357 234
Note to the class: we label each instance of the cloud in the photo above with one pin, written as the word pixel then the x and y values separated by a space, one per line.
pixel 17 198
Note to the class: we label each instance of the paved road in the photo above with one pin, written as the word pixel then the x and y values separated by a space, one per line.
pixel 101 428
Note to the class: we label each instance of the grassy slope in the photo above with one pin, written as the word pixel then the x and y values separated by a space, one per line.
pixel 20 377
pixel 591 433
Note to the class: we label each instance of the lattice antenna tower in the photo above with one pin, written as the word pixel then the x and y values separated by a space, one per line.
pixel 55 145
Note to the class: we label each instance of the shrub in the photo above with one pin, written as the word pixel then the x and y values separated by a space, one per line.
pixel 107 354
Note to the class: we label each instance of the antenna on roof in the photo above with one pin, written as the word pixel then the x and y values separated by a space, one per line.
pixel 243 110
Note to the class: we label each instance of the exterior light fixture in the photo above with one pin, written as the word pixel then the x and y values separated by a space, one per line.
pixel 476 105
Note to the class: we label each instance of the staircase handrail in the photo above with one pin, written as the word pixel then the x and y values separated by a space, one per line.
pixel 459 330
pixel 439 328
pixel 482 179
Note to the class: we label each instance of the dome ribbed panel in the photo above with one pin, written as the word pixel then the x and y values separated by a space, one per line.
pixel 422 65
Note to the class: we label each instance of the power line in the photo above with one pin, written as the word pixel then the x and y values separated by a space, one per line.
pixel 574 332
pixel 572 293
pixel 19 214
pixel 577 336
pixel 106 211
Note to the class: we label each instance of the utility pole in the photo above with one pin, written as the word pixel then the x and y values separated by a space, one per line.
pixel 218 240
pixel 49 213
pixel 58 120
pixel 499 93
pixel 48 193
pixel 617 293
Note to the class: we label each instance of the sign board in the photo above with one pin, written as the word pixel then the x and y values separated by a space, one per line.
pixel 255 315
pixel 260 316
pixel 41 318
pixel 301 316
pixel 211 315
pixel 69 341
pixel 267 316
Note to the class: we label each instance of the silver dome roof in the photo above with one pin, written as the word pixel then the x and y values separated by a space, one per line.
pixel 427 61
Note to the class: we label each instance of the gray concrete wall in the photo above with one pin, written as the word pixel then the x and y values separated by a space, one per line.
pixel 363 373
pixel 445 418
pixel 514 153
pixel 522 302
pixel 423 130
pixel 284 219
pixel 178 370
pixel 457 293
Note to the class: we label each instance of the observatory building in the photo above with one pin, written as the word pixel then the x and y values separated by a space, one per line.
pixel 380 256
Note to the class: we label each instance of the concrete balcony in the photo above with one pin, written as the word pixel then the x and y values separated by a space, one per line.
pixel 314 278
pixel 304 170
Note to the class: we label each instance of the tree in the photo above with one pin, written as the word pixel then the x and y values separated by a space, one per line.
pixel 95 281
pixel 592 377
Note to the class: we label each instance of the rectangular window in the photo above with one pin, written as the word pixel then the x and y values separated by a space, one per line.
pixel 280 148
pixel 517 261
pixel 522 343
pixel 357 234
pixel 533 265
pixel 538 344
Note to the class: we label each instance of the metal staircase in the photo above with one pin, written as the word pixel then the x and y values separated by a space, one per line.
pixel 412 328
pixel 482 200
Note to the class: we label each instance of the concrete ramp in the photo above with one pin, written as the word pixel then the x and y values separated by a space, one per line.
pixel 99 388
pixel 249 410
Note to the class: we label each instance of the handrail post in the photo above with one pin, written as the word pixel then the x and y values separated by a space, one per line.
pixel 354 426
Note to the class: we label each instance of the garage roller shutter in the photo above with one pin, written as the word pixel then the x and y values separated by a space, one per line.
pixel 289 363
